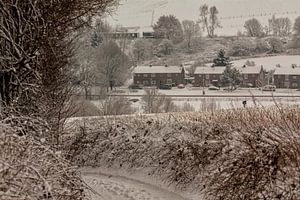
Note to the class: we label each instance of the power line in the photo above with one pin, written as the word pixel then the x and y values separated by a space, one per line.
pixel 259 15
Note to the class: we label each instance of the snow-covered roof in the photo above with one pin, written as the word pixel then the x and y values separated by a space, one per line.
pixel 209 70
pixel 287 71
pixel 270 62
pixel 157 69
pixel 250 69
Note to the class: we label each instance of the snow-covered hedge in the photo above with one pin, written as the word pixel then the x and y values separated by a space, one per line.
pixel 232 154
pixel 30 169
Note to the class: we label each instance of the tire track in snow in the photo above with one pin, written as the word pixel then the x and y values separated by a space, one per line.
pixel 116 187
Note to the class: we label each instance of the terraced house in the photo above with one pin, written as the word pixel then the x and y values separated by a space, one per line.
pixel 208 75
pixel 158 75
pixel 252 76
pixel 287 77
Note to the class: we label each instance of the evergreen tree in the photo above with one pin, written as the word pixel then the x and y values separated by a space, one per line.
pixel 231 77
pixel 221 60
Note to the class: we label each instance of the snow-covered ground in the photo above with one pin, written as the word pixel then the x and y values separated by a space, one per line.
pixel 219 99
pixel 198 91
pixel 117 185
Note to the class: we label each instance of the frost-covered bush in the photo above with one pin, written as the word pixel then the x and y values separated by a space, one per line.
pixel 242 47
pixel 248 153
pixel 29 169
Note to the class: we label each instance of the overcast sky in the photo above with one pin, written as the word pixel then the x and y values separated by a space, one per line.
pixel 232 13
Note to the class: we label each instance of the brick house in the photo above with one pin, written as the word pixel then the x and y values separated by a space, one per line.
pixel 253 76
pixel 204 76
pixel 158 75
pixel 287 77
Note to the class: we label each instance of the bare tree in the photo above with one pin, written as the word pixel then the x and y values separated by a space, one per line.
pixel 168 27
pixel 142 50
pixel 154 102
pixel 213 19
pixel 166 47
pixel 254 28
pixel 116 106
pixel 190 30
pixel 280 26
pixel 296 36
pixel 112 64
pixel 209 19
pixel 36 54
pixel 85 62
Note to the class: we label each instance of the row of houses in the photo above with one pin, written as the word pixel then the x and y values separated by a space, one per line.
pixel 158 75
pixel 251 76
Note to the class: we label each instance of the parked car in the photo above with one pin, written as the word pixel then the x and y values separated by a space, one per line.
pixel 269 88
pixel 166 87
pixel 134 100
pixel 181 86
pixel 230 88
pixel 249 85
pixel 212 87
pixel 135 86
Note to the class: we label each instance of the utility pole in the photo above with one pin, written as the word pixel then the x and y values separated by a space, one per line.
pixel 152 18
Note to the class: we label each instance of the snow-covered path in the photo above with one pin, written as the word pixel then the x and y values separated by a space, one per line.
pixel 117 187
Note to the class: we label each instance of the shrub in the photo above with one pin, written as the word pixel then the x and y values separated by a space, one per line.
pixel 242 47
pixel 30 169
pixel 225 154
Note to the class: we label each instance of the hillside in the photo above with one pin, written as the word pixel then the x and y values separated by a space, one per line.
pixel 204 50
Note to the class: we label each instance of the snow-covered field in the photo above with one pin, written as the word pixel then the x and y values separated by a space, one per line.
pixel 219 99
pixel 198 91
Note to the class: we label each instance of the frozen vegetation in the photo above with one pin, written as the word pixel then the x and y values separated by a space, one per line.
pixel 221 155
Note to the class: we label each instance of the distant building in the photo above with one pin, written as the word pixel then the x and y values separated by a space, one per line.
pixel 287 77
pixel 252 76
pixel 158 75
pixel 133 32
pixel 208 75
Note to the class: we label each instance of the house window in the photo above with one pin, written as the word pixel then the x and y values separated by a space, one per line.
pixel 169 81
pixel 138 82
pixel 169 75
pixel 153 82
pixel 207 76
pixel 200 75
pixel 294 85
pixel 286 77
pixel 153 75
pixel 145 83
pixel 245 76
pixel 145 75
pixel 294 77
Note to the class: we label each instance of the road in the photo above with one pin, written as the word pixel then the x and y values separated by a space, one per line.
pixel 116 187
